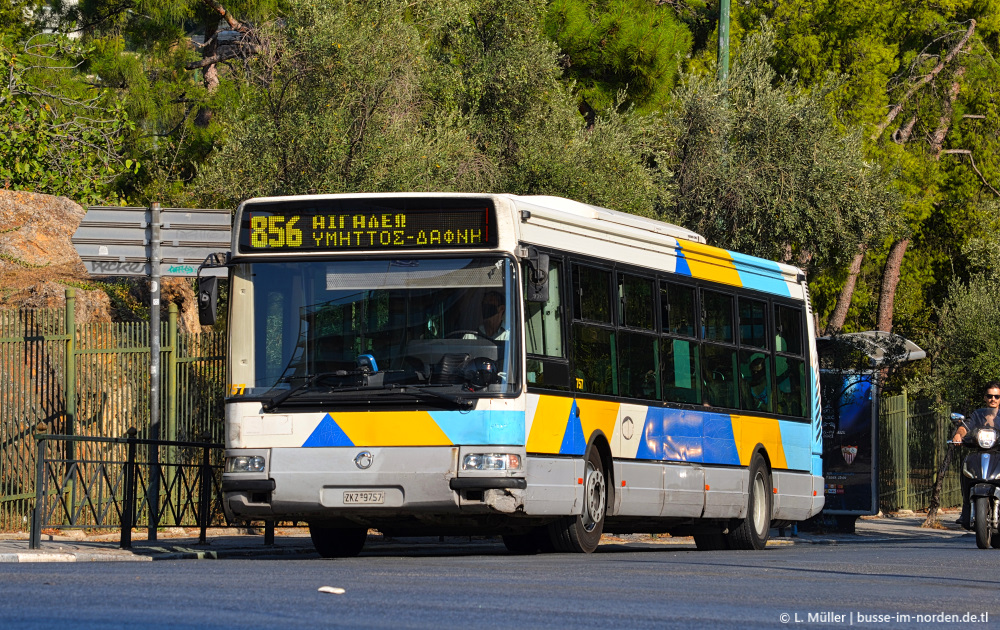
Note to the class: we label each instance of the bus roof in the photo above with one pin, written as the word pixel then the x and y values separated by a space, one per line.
pixel 688 250
pixel 545 203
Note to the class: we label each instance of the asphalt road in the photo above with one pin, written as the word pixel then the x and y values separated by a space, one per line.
pixel 483 587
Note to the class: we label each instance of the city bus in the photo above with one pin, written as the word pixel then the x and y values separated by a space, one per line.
pixel 528 367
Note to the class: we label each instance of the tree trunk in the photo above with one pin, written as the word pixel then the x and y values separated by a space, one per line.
pixel 890 280
pixel 902 135
pixel 924 80
pixel 935 502
pixel 211 72
pixel 944 122
pixel 839 315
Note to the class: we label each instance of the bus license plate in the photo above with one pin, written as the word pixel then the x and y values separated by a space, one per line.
pixel 375 496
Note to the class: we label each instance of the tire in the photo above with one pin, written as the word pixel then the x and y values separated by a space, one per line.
pixel 338 542
pixel 714 541
pixel 846 524
pixel 982 522
pixel 521 544
pixel 582 533
pixel 753 531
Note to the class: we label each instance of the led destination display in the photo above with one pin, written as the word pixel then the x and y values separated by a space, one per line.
pixel 277 228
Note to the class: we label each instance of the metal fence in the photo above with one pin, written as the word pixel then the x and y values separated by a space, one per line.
pixel 912 443
pixel 93 380
pixel 114 485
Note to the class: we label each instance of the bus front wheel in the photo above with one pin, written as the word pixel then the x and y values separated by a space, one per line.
pixel 753 531
pixel 582 533
pixel 338 542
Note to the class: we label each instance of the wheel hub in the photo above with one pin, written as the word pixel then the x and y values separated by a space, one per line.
pixel 594 498
pixel 759 505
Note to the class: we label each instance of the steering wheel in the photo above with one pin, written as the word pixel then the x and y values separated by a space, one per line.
pixel 459 334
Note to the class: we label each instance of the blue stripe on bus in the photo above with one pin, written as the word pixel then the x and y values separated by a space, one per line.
pixel 795 438
pixel 481 426
pixel 688 436
pixel 573 442
pixel 682 268
pixel 328 433
pixel 720 443
pixel 760 280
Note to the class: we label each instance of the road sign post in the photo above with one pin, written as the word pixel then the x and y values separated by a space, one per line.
pixel 152 242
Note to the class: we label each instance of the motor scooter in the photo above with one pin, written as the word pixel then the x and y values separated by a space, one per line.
pixel 981 467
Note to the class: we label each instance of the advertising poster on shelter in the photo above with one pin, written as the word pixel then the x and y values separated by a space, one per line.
pixel 848 443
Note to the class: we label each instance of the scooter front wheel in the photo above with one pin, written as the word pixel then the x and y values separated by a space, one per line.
pixel 982 525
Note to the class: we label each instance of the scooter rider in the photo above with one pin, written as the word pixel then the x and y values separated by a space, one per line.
pixel 980 418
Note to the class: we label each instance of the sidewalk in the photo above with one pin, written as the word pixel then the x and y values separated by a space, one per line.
pixel 172 544
pixel 901 527
pixel 180 543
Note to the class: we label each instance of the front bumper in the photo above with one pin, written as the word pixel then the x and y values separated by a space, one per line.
pixel 419 482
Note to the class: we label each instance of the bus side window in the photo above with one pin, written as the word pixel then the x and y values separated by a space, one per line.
pixel 680 359
pixel 792 394
pixel 678 308
pixel 595 369
pixel 680 371
pixel 791 383
pixel 543 321
pixel 593 360
pixel 787 330
pixel 717 317
pixel 543 335
pixel 719 374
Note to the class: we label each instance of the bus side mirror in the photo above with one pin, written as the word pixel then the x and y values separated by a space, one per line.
pixel 208 299
pixel 537 282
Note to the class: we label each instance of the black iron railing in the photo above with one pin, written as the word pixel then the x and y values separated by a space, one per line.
pixel 110 483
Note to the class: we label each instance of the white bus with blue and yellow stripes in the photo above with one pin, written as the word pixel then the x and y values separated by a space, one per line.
pixel 529 367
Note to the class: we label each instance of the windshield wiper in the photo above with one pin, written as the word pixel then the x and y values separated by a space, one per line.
pixel 271 403
pixel 425 391
pixel 411 390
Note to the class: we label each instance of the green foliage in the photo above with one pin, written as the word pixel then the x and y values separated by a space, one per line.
pixel 884 52
pixel 762 169
pixel 609 46
pixel 967 348
pixel 452 96
pixel 56 136
pixel 15 21
pixel 148 52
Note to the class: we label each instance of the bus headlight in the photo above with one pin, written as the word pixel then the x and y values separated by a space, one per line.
pixel 491 461
pixel 987 438
pixel 244 463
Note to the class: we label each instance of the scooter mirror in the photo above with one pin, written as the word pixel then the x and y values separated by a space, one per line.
pixel 957 418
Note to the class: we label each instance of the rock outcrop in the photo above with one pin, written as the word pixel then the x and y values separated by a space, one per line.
pixel 38 261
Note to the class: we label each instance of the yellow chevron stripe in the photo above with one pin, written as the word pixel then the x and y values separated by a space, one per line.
pixel 710 263
pixel 391 428
pixel 597 414
pixel 549 424
pixel 767 431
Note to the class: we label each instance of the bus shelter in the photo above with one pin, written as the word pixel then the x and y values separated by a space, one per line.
pixel 852 370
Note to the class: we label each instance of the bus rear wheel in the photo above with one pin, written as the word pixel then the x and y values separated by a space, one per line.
pixel 337 542
pixel 753 531
pixel 521 544
pixel 582 533
pixel 711 541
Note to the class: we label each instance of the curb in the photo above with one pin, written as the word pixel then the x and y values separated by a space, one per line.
pixel 35 557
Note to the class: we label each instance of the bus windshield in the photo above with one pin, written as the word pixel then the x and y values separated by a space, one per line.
pixel 399 325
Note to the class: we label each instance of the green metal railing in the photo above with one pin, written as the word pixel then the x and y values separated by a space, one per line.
pixel 912 444
pixel 93 380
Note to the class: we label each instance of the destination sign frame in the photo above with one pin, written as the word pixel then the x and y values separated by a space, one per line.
pixel 352 225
